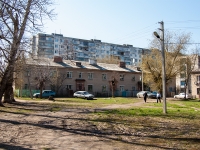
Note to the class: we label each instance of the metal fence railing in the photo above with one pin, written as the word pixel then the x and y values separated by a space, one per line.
pixel 26 93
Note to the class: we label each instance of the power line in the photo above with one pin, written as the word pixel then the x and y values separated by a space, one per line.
pixel 182 43
pixel 135 32
pixel 186 21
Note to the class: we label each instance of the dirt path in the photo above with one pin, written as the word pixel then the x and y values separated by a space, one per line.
pixel 141 103
pixel 34 125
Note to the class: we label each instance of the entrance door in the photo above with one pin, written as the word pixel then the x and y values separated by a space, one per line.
pixel 80 86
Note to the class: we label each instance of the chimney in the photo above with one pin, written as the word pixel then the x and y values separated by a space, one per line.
pixel 57 59
pixel 138 69
pixel 92 61
pixel 122 64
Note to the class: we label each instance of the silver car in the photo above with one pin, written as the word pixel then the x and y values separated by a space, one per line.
pixel 141 93
pixel 83 94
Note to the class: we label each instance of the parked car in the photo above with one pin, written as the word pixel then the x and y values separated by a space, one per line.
pixel 152 95
pixel 45 93
pixel 141 93
pixel 83 94
pixel 182 95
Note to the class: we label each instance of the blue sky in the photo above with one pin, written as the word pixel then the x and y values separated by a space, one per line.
pixel 124 21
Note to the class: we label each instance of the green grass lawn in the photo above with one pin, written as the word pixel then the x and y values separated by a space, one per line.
pixel 175 108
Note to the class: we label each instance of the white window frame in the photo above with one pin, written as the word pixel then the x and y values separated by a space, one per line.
pixel 80 75
pixel 90 75
pixel 92 88
pixel 69 74
pixel 69 86
pixel 121 76
pixel 104 88
pixel 104 76
pixel 121 88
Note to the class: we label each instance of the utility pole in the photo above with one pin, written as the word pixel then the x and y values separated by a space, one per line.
pixel 163 68
pixel 163 65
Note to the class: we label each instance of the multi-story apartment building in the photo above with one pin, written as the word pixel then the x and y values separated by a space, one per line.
pixel 50 45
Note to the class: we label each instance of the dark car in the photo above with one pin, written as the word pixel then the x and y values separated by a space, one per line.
pixel 83 94
pixel 152 95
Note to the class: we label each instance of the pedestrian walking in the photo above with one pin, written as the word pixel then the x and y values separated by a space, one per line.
pixel 158 96
pixel 145 97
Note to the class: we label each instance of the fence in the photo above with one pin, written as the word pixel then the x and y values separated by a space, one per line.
pixel 116 94
pixel 25 93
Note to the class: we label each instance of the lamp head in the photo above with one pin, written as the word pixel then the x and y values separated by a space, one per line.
pixel 156 34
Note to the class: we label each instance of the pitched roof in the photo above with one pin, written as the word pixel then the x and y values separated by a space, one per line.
pixel 84 65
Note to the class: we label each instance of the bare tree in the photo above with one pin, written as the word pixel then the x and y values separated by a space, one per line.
pixel 57 80
pixel 18 17
pixel 41 72
pixel 113 82
pixel 175 46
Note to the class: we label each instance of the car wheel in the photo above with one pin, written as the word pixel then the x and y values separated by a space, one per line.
pixel 36 96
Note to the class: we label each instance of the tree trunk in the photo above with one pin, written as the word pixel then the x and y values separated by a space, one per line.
pixel 5 81
pixel 9 94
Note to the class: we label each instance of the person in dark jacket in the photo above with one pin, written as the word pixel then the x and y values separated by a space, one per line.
pixel 145 97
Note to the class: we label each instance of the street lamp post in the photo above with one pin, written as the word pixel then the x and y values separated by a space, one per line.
pixel 163 65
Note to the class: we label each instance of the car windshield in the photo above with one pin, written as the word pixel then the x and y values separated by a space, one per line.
pixel 85 93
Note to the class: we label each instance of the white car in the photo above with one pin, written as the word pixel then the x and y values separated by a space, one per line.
pixel 141 93
pixel 182 95
pixel 83 94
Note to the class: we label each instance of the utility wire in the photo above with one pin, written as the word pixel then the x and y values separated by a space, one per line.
pixel 138 32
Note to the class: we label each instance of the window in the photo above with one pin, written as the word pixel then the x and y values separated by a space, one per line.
pixel 104 88
pixel 133 88
pixel 56 46
pixel 25 86
pixel 198 90
pixel 53 74
pixel 182 75
pixel 121 77
pixel 133 78
pixel 198 78
pixel 90 76
pixel 28 73
pixel 69 74
pixel 90 88
pixel 182 83
pixel 121 88
pixel 171 89
pixel 80 75
pixel 69 87
pixel 104 77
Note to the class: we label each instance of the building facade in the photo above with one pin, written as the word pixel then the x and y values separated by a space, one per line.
pixel 195 79
pixel 67 76
pixel 50 45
